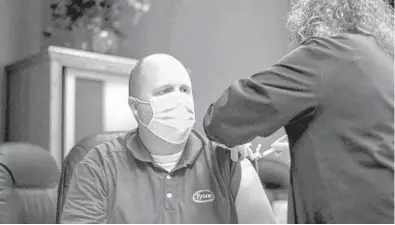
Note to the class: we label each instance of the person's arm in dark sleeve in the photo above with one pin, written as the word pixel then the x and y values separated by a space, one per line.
pixel 86 199
pixel 263 103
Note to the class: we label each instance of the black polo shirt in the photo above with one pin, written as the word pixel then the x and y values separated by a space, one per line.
pixel 118 182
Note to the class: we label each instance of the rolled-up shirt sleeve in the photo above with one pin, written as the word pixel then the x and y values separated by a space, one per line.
pixel 86 199
pixel 263 103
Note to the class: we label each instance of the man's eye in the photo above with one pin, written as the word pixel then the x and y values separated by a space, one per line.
pixel 185 90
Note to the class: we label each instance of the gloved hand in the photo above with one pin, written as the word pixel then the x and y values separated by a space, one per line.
pixel 245 151
pixel 281 144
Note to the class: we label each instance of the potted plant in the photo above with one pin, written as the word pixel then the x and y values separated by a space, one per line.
pixel 92 24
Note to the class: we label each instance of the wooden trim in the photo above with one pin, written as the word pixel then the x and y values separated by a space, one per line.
pixel 56 114
pixel 85 60
pixel 98 76
pixel 69 112
pixel 79 59
pixel 70 77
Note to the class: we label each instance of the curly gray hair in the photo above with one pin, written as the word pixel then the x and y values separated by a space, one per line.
pixel 331 17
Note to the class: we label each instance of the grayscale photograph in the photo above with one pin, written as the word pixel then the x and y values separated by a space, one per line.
pixel 197 111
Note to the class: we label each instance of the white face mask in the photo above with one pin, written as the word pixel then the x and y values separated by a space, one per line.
pixel 173 116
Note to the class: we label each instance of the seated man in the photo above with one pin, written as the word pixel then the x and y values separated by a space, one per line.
pixel 163 172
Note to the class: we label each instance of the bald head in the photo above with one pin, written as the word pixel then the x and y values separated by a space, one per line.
pixel 157 74
pixel 135 79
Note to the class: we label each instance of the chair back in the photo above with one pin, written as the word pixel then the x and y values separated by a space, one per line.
pixel 28 183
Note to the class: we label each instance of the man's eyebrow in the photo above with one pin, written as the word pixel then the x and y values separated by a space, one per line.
pixel 162 87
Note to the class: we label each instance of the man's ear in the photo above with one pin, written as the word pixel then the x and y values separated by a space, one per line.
pixel 133 105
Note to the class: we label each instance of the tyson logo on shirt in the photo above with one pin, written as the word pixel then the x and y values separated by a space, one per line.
pixel 203 196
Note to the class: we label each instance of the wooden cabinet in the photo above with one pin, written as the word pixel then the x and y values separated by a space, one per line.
pixel 60 96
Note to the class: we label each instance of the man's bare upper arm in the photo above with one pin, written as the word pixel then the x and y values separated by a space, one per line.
pixel 252 204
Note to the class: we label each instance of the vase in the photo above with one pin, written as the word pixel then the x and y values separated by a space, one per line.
pixel 105 41
pixel 76 39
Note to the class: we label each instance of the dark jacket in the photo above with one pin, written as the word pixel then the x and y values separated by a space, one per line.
pixel 335 98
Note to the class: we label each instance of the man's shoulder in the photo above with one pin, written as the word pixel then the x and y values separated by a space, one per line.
pixel 220 158
pixel 212 146
pixel 101 152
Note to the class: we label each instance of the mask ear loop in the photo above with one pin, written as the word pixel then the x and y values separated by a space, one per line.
pixel 138 100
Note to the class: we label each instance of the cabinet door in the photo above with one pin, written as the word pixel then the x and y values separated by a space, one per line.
pixel 94 103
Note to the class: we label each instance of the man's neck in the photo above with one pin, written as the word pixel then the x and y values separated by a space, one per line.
pixel 158 146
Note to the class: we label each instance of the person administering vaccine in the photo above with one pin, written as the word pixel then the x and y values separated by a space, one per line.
pixel 164 171
pixel 334 95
